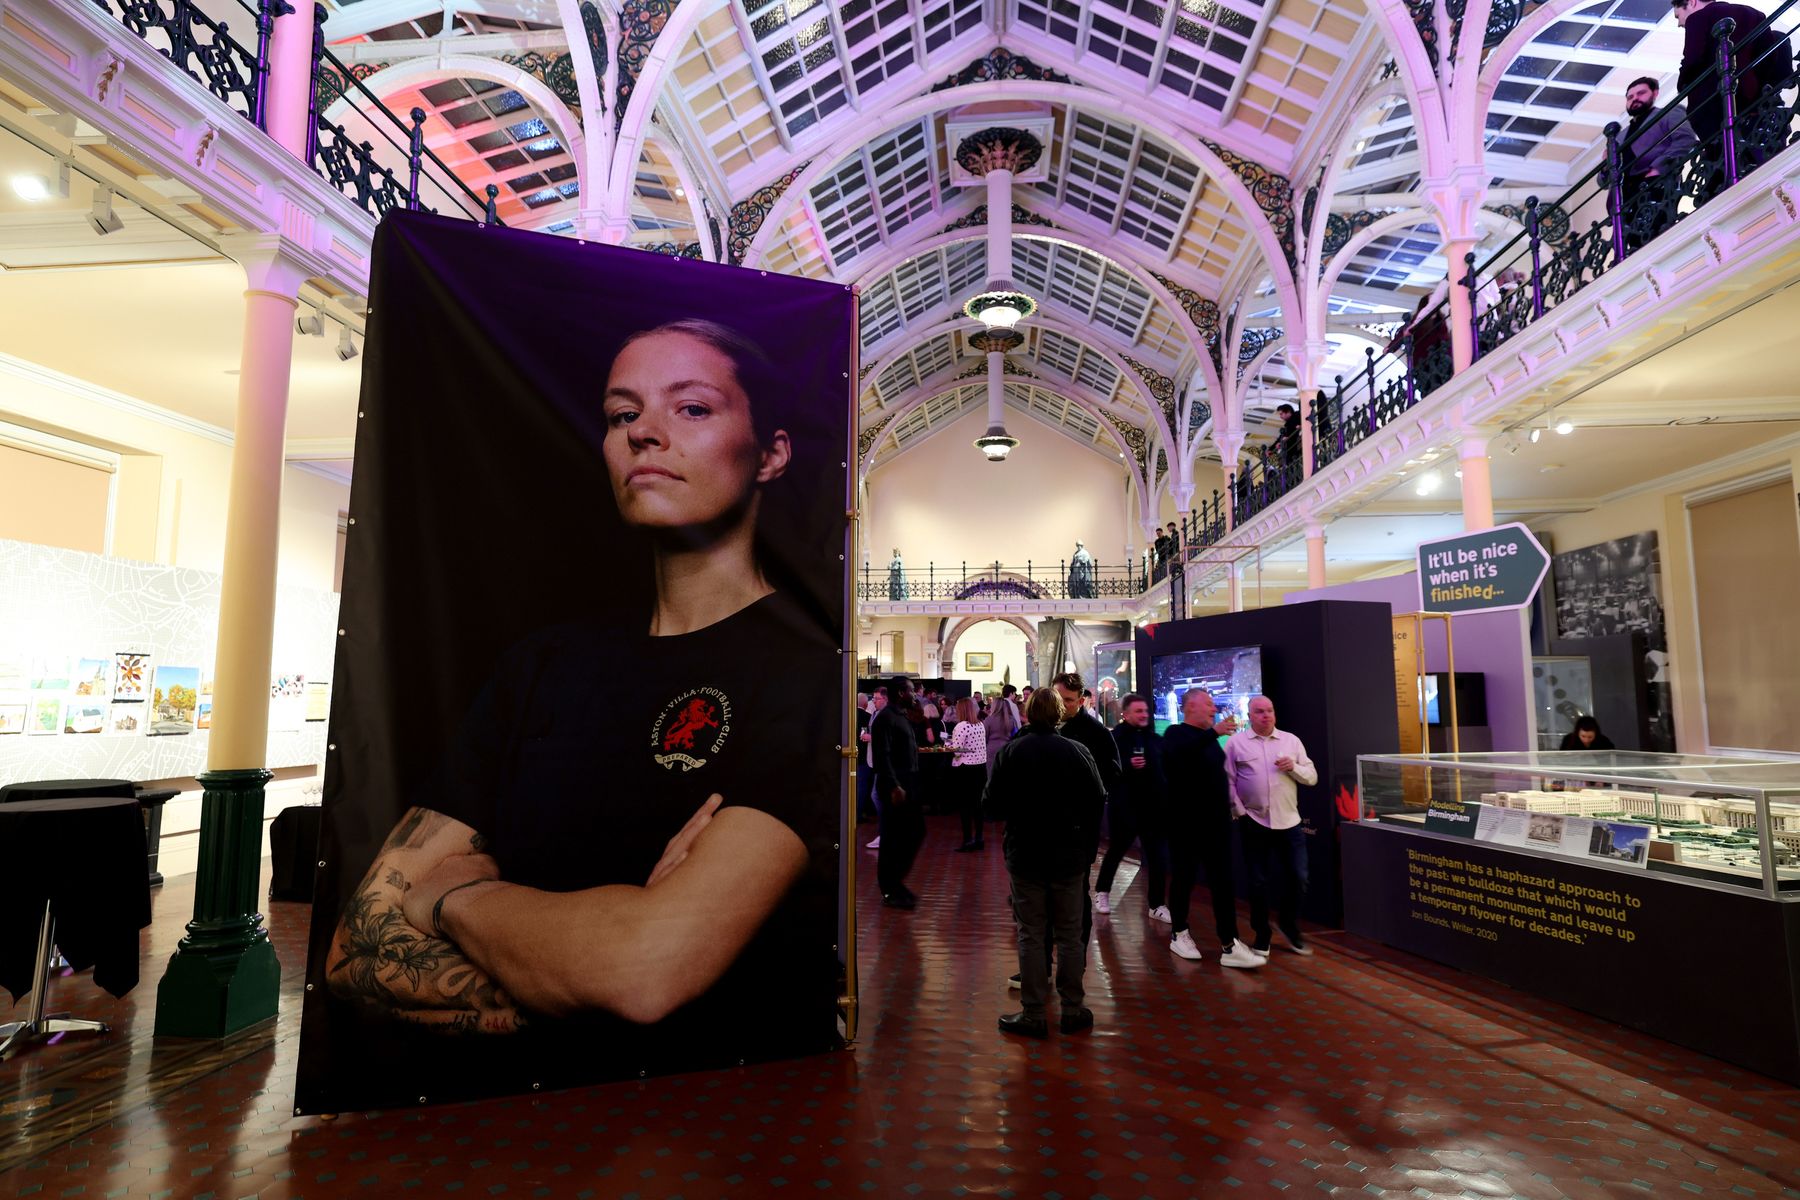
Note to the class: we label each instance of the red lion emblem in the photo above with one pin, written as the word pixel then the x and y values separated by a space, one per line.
pixel 699 714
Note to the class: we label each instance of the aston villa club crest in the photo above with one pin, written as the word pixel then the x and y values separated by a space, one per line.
pixel 693 725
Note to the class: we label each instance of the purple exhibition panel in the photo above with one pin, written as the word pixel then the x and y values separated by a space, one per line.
pixel 583 792
pixel 1495 644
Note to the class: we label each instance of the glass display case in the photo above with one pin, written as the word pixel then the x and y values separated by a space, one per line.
pixel 1113 678
pixel 1716 821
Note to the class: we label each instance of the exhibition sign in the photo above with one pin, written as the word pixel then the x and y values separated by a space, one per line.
pixel 1609 942
pixel 1486 571
pixel 583 794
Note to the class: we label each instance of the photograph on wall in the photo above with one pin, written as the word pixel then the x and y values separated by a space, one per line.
pixel 50 675
pixel 287 703
pixel 203 714
pixel 581 813
pixel 46 715
pixel 131 676
pixel 1616 587
pixel 84 716
pixel 12 717
pixel 93 678
pixel 13 676
pixel 173 693
pixel 126 718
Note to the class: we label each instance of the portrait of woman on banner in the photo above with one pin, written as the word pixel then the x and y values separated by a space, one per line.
pixel 630 838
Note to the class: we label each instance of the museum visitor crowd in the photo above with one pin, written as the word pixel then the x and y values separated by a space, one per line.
pixel 1043 763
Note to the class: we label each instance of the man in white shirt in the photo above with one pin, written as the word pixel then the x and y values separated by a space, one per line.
pixel 1265 767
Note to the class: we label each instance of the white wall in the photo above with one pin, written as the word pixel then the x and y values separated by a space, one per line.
pixel 941 501
pixel 173 478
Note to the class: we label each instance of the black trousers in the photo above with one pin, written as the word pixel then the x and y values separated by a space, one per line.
pixel 1048 915
pixel 1276 860
pixel 902 833
pixel 967 783
pixel 1126 822
pixel 1087 923
pixel 1203 844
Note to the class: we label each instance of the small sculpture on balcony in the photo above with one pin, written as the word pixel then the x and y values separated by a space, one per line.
pixel 1081 574
pixel 896 577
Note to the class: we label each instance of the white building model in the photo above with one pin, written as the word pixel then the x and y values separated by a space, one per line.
pixel 1719 829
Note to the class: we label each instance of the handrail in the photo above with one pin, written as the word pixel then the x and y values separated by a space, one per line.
pixel 483 209
pixel 1063 580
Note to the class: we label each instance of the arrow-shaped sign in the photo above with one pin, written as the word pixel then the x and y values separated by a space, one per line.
pixel 1486 571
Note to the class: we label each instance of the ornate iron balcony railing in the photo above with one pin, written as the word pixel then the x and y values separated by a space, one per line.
pixel 208 51
pixel 1061 580
pixel 1271 474
pixel 1534 273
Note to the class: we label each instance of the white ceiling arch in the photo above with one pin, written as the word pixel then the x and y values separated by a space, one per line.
pixel 870 126
pixel 1161 435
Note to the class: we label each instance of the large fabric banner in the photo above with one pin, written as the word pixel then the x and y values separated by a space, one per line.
pixel 583 789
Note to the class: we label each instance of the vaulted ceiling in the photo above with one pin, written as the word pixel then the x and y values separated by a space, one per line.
pixel 1185 141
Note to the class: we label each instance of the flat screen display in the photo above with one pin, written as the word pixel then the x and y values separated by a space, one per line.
pixel 1233 674
pixel 1471 697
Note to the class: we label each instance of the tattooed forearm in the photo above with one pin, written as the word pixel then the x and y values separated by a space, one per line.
pixel 381 960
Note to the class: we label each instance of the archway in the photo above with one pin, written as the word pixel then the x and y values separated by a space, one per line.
pixel 954 668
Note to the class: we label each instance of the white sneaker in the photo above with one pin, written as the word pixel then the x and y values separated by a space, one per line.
pixel 1182 946
pixel 875 844
pixel 1013 983
pixel 1260 953
pixel 1102 902
pixel 1242 957
pixel 1161 913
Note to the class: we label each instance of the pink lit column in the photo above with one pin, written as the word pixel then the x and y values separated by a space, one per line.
pixel 1315 555
pixel 1477 482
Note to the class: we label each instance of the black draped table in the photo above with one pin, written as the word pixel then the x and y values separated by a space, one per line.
pixel 71 875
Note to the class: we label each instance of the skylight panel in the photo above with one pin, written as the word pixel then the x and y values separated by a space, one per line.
pixel 794 41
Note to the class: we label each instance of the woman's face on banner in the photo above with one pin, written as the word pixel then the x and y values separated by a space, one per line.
pixel 681 448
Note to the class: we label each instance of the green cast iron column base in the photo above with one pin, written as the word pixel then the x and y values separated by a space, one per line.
pixel 223 976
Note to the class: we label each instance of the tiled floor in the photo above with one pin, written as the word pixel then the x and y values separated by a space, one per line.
pixel 1360 1069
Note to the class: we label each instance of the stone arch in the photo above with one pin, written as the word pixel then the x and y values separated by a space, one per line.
pixel 947 645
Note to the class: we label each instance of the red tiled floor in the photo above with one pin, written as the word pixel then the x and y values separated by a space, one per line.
pixel 1358 1070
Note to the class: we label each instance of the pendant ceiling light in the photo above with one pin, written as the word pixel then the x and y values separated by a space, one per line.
pixel 996 443
pixel 997 154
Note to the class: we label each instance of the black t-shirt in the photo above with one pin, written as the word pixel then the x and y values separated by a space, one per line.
pixel 591 747
pixel 1194 765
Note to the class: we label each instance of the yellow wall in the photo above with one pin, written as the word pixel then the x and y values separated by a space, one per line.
pixel 172 483
pixel 1664 509
pixel 942 502
pixel 1004 641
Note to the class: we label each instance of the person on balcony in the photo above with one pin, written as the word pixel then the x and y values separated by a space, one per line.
pixel 1762 59
pixel 1652 146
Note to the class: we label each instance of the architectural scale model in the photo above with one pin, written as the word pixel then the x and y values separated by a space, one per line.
pixel 1715 831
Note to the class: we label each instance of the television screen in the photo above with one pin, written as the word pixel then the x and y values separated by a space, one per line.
pixel 1233 674
pixel 1471 697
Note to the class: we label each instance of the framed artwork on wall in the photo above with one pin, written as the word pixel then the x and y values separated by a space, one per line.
pixel 978 660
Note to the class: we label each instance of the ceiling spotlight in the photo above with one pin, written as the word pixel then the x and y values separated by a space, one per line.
pixel 103 220
pixel 346 349
pixel 681 193
pixel 1565 427
pixel 42 187
pixel 1536 433
pixel 314 324
pixel 1428 483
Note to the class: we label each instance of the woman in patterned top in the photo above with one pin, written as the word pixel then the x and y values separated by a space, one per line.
pixel 968 770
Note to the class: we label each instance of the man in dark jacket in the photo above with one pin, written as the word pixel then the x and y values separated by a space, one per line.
pixel 1762 59
pixel 1047 790
pixel 1134 809
pixel 1200 830
pixel 1651 147
pixel 895 748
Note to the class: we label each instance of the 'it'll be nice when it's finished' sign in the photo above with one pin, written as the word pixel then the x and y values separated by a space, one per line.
pixel 1486 571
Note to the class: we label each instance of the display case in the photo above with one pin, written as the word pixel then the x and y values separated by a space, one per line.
pixel 1112 678
pixel 1661 891
pixel 1734 822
